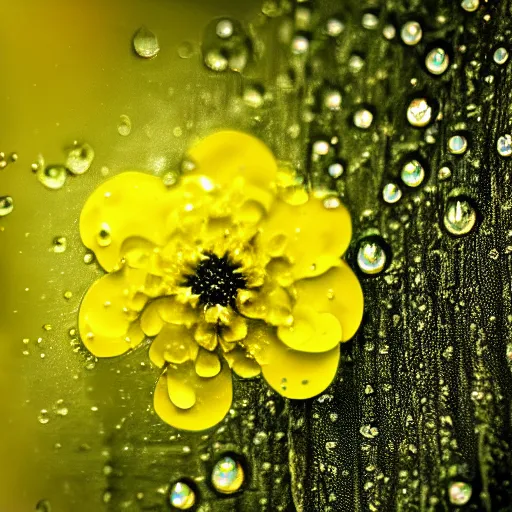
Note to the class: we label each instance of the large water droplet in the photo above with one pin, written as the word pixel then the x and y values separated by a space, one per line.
pixel 437 61
pixel 419 112
pixel 59 244
pixel 500 55
pixel 504 145
pixel 80 158
pixel 371 257
pixel 216 61
pixel 391 193
pixel 6 205
pixel 460 493
pixel 460 216
pixel 145 43
pixel 227 475
pixel 413 173
pixel 470 5
pixel 411 33
pixel 224 29
pixel 457 144
pixel 52 176
pixel 363 118
pixel 182 497
pixel 334 27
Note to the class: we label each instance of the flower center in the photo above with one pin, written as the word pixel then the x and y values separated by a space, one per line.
pixel 216 281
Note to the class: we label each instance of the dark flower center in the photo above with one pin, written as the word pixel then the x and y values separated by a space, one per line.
pixel 216 281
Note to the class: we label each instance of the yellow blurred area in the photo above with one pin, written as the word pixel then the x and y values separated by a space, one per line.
pixel 68 73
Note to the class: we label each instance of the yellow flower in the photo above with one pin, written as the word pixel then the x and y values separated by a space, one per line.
pixel 233 268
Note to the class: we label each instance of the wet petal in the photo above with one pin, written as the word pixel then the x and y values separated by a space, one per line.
pixel 151 321
pixel 236 330
pixel 337 292
pixel 207 363
pixel 226 155
pixel 174 311
pixel 174 344
pixel 105 346
pixel 242 363
pixel 311 236
pixel 291 373
pixel 311 331
pixel 213 398
pixel 128 205
pixel 206 335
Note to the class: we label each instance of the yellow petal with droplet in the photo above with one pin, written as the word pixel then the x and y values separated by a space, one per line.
pixel 226 155
pixel 103 308
pixel 311 331
pixel 316 237
pixel 337 292
pixel 213 398
pixel 151 321
pixel 291 373
pixel 131 204
pixel 207 363
pixel 174 344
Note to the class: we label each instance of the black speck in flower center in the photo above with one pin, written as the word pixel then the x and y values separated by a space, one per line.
pixel 216 281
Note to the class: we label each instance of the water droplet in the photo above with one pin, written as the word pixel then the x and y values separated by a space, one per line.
pixel 216 61
pixel 437 61
pixel 43 506
pixel 413 173
pixel 459 217
pixel 80 158
pixel 52 176
pixel 460 493
pixel 43 417
pixel 68 295
pixel 334 27
pixel 104 238
pixel 332 99
pixel 355 63
pixel 411 33
pixel 59 244
pixel 145 43
pixel 389 32
pixel 470 5
pixel 88 258
pixel 227 475
pixel 335 170
pixel 504 145
pixel 444 173
pixel 170 178
pixel 124 127
pixel 182 497
pixel 320 148
pixel 391 193
pixel 457 144
pixel 300 44
pixel 369 432
pixel 224 29
pixel 419 112
pixel 363 118
pixel 186 50
pixel 371 257
pixel 370 21
pixel 500 55
pixel 6 205
pixel 253 95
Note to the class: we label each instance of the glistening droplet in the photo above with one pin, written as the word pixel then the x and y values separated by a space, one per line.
pixel 419 112
pixel 79 158
pixel 460 493
pixel 371 257
pixel 459 217
pixel 6 205
pixel 413 173
pixel 182 497
pixel 504 145
pixel 124 126
pixel 437 61
pixel 227 475
pixel 52 176
pixel 145 43
pixel 411 33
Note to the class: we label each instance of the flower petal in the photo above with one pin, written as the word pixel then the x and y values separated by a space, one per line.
pixel 337 292
pixel 291 373
pixel 226 155
pixel 128 205
pixel 242 363
pixel 213 397
pixel 207 363
pixel 174 344
pixel 151 321
pixel 311 236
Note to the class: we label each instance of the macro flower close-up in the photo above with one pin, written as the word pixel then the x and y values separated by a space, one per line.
pixel 231 267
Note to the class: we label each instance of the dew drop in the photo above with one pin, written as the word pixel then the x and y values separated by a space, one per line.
pixel 52 176
pixel 332 99
pixel 6 205
pixel 500 56
pixel 334 27
pixel 444 173
pixel 355 63
pixel 43 417
pixel 413 173
pixel 411 33
pixel 419 112
pixel 182 497
pixel 335 170
pixel 104 238
pixel 460 493
pixel 59 244
pixel 391 193
pixel 170 178
pixel 300 44
pixel 370 21
pixel 253 95
pixel 363 119
pixel 437 61
pixel 227 475
pixel 371 257
pixel 80 158
pixel 504 145
pixel 389 32
pixel 145 43
pixel 470 5
pixel 457 144
pixel 186 50
pixel 88 258
pixel 320 148
pixel 459 217
pixel 124 126
pixel 224 29
pixel 216 61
